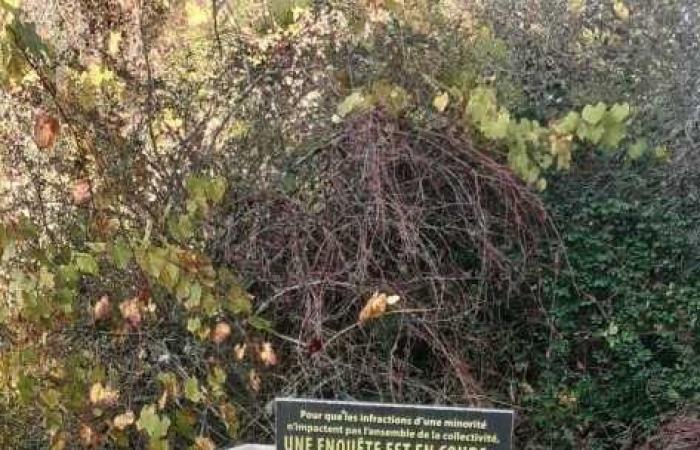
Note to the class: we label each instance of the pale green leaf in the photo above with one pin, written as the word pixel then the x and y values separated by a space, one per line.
pixel 86 263
pixel 155 426
pixel 593 114
pixel 441 101
pixel 350 103
pixel 568 124
pixel 192 391
pixel 238 301
pixel 637 150
pixel 620 112
pixel 121 254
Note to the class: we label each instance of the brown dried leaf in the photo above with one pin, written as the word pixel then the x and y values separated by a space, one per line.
pixel 102 309
pixel 204 443
pixel 376 306
pixel 46 129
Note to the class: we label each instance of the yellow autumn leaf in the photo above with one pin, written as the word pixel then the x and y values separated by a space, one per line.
pixel 621 10
pixel 576 7
pixel 376 306
pixel 103 395
pixel 239 351
pixel 96 75
pixel 196 15
pixel 113 42
pixel 122 421
pixel 441 101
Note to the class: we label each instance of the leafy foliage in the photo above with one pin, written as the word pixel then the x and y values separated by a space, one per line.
pixel 626 316
pixel 200 197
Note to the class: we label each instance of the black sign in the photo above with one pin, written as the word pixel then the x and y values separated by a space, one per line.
pixel 338 425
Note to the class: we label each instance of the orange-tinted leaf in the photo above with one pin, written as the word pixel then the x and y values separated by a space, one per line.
pixel 221 332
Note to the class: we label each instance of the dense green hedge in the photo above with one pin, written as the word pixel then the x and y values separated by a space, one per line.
pixel 625 311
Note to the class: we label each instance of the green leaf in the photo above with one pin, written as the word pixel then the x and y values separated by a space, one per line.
pixel 289 182
pixel 182 227
pixel 613 135
pixel 216 189
pixel 25 387
pixel 210 305
pixel 29 40
pixel 194 324
pixel 46 279
pixel 637 150
pixel 97 247
pixel 590 133
pixel 170 275
pixel 192 392
pixel 568 124
pixel 662 153
pixel 182 291
pixel 121 254
pixel 497 128
pixel 482 104
pixel 620 112
pixel 155 262
pixel 259 323
pixel 593 114
pixel 51 398
pixel 155 426
pixel 238 301
pixel 216 378
pixel 195 294
pixel 86 263
pixel 350 103
pixel 10 6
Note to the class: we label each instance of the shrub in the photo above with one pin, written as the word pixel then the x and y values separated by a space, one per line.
pixel 622 350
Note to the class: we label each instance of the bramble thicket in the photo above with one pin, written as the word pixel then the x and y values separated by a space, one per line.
pixel 205 204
